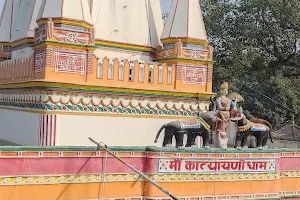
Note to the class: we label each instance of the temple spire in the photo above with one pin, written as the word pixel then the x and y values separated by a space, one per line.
pixel 25 20
pixel 130 26
pixel 22 27
pixel 130 21
pixel 6 21
pixel 185 44
pixel 78 10
pixel 185 21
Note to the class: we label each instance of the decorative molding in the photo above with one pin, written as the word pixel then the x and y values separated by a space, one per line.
pixel 187 61
pixel 213 177
pixel 96 178
pixel 290 174
pixel 40 61
pixel 109 103
pixel 63 152
pixel 72 37
pixel 66 21
pixel 131 152
pixel 22 42
pixel 184 53
pixel 64 179
pixel 195 54
pixel 94 89
pixel 40 34
pixel 260 196
pixel 273 196
pixel 70 63
pixel 194 75
pixel 166 53
pixel 209 74
pixel 124 152
pixel 121 107
pixel 185 40
pixel 125 46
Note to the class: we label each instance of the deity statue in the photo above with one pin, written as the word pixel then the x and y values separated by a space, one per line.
pixel 226 111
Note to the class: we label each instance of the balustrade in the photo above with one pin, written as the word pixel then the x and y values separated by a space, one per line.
pixel 105 72
pixel 16 70
pixel 135 72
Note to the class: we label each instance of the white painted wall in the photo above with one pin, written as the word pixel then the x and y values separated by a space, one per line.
pixel 19 127
pixel 283 144
pixel 113 131
pixel 22 53
pixel 128 21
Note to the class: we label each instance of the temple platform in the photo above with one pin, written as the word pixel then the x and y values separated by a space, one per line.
pixel 81 172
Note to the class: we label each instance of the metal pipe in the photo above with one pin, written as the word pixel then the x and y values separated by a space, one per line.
pixel 104 147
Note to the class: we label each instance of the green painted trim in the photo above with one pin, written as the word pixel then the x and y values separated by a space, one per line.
pixel 30 44
pixel 124 48
pixel 100 109
pixel 102 91
pixel 138 92
pixel 290 196
pixel 216 150
pixel 276 198
pixel 69 148
pixel 183 59
pixel 65 43
pixel 142 148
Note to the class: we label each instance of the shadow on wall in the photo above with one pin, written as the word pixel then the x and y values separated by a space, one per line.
pixel 8 143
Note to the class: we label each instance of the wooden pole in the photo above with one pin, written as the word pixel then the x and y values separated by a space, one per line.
pixel 104 147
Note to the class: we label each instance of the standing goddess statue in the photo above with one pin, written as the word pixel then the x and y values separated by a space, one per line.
pixel 225 109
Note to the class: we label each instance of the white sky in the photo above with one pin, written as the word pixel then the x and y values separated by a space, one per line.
pixel 1 4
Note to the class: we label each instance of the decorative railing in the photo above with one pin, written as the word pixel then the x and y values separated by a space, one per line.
pixel 134 72
pixel 103 72
pixel 16 70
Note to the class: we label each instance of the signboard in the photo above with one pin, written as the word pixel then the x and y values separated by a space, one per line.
pixel 207 166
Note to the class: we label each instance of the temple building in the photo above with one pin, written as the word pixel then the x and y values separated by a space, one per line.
pixel 287 137
pixel 107 69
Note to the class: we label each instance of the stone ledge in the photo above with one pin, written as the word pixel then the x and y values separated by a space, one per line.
pixel 149 149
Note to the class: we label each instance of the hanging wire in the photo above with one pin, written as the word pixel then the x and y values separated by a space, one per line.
pixel 265 96
pixel 104 165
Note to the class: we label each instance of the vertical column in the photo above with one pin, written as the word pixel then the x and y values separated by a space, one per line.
pixel 47 130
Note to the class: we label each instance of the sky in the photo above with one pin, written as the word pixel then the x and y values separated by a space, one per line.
pixel 1 4
pixel 165 5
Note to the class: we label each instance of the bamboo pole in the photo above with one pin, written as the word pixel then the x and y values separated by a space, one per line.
pixel 101 145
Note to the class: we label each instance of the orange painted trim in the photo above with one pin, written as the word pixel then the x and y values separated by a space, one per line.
pixel 62 20
pixel 202 188
pixel 138 188
pixel 173 40
pixel 72 191
pixel 290 184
